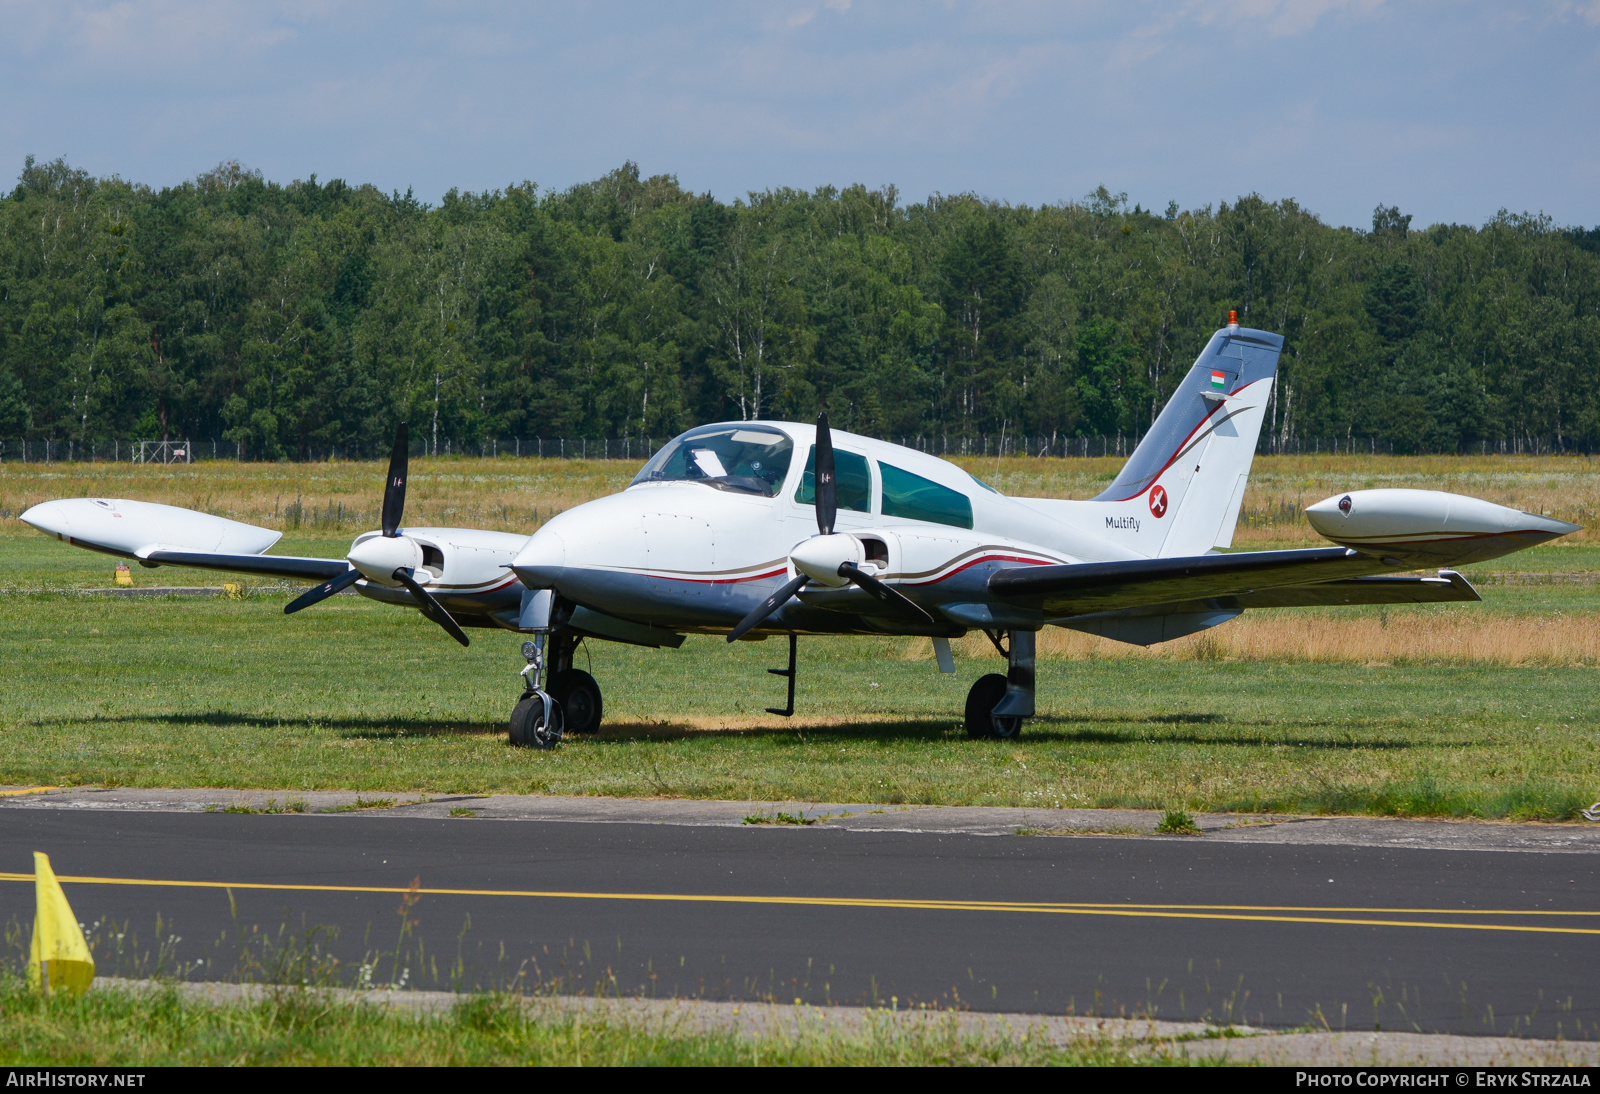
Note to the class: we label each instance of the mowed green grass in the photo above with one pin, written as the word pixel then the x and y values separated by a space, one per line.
pixel 355 695
pixel 292 1027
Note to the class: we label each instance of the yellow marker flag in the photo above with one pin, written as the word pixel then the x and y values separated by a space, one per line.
pixel 59 958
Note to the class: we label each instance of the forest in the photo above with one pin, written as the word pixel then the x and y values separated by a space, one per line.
pixel 287 320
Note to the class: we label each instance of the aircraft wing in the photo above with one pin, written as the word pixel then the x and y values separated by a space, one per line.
pixel 306 569
pixel 167 535
pixel 1084 587
pixel 1448 587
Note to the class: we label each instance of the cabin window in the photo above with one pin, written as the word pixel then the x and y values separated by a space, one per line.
pixel 743 459
pixel 916 498
pixel 852 481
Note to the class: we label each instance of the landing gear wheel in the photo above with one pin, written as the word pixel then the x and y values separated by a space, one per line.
pixel 528 726
pixel 579 697
pixel 981 700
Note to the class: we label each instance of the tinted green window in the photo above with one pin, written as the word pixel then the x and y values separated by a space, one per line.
pixel 916 498
pixel 853 482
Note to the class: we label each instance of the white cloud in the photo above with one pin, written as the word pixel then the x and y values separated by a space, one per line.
pixel 1279 18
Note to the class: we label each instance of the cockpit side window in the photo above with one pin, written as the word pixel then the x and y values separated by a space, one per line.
pixel 852 481
pixel 916 498
pixel 741 459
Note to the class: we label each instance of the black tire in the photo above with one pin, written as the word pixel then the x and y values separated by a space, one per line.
pixel 579 696
pixel 528 729
pixel 981 701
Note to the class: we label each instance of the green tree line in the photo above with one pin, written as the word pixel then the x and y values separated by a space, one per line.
pixel 292 318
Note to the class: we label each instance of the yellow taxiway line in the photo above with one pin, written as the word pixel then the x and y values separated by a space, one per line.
pixel 26 790
pixel 1243 913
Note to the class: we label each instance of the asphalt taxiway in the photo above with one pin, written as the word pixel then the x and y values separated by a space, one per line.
pixel 1465 928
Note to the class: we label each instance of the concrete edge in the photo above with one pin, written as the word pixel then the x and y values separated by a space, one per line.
pixel 1151 1037
pixel 1388 832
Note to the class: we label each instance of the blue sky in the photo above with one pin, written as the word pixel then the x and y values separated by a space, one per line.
pixel 1449 109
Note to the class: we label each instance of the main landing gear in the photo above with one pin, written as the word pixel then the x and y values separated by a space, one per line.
pixel 557 699
pixel 997 704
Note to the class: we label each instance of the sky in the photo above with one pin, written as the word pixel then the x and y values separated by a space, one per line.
pixel 1450 109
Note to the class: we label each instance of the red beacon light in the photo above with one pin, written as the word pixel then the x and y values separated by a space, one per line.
pixel 1233 321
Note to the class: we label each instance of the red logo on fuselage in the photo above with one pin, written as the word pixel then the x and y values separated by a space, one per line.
pixel 1158 501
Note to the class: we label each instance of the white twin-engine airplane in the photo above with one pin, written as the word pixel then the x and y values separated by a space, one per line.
pixel 751 529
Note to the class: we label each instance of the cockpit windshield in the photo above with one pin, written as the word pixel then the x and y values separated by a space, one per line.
pixel 746 459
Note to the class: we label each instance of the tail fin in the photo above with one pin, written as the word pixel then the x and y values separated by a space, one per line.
pixel 1185 481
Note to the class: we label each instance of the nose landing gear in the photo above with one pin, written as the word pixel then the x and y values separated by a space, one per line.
pixel 557 699
pixel 536 719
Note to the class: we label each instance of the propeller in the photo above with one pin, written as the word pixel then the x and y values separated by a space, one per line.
pixel 390 556
pixel 767 607
pixel 816 554
pixel 886 593
pixel 317 594
pixel 431 607
pixel 827 487
pixel 394 487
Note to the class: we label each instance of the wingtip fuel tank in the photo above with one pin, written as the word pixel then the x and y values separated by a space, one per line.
pixel 1430 527
pixel 122 527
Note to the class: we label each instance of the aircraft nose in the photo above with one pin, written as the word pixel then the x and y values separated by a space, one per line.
pixel 542 561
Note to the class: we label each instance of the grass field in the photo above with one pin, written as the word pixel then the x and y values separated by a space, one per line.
pixel 1474 710
pixel 342 498
pixel 296 1027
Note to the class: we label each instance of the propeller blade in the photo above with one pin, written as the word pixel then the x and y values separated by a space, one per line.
pixel 394 487
pixel 766 608
pixel 321 592
pixel 431 607
pixel 827 493
pixel 886 593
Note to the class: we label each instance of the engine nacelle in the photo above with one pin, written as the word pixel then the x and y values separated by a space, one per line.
pixel 1430 527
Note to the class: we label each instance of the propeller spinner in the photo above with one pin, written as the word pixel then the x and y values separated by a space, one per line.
pixel 828 558
pixel 391 558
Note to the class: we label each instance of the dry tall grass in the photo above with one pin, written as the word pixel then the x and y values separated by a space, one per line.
pixel 517 495
pixel 1409 636
pixel 1281 487
pixel 499 494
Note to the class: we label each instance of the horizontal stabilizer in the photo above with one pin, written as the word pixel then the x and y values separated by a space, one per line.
pixel 1080 588
pixel 306 569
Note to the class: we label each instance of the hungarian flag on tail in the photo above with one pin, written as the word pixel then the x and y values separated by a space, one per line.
pixel 1219 380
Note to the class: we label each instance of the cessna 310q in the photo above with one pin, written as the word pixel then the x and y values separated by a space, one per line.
pixel 751 529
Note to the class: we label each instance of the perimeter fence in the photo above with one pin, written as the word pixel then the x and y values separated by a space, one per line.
pixel 639 449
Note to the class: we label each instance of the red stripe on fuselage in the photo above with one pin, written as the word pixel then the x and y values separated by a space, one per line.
pixel 978 562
